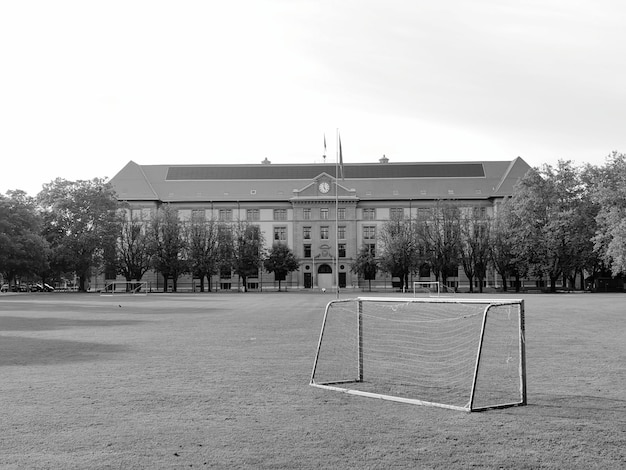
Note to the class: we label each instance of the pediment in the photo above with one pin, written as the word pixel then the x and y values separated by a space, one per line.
pixel 323 187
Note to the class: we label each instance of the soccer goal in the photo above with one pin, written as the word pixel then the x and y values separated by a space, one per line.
pixel 430 288
pixel 125 287
pixel 461 354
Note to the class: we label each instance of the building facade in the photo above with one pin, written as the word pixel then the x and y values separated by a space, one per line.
pixel 325 220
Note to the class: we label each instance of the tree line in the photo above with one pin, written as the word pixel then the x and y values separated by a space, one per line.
pixel 78 228
pixel 562 222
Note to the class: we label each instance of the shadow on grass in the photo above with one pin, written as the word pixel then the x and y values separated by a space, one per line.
pixel 20 351
pixel 42 324
pixel 578 407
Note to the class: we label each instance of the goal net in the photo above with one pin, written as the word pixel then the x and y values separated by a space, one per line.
pixel 430 288
pixel 125 287
pixel 460 354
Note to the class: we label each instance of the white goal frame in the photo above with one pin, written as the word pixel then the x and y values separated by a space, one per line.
pixel 343 384
pixel 137 287
pixel 428 284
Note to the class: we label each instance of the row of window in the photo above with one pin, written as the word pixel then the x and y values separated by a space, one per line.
pixel 369 213
pixel 369 232
pixel 341 250
pixel 280 233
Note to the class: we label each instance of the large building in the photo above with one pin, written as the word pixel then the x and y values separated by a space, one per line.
pixel 304 205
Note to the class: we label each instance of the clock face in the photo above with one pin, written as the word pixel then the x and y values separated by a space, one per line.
pixel 324 187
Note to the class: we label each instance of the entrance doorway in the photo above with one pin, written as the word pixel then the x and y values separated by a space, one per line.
pixel 325 276
pixel 342 280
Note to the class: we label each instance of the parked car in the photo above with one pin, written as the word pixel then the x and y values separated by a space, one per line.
pixel 4 288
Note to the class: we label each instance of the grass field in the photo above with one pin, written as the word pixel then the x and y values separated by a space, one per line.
pixel 221 381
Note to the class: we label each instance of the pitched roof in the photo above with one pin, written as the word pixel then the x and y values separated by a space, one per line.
pixel 274 182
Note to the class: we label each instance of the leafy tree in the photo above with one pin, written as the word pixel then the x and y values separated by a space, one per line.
pixel 280 261
pixel 441 236
pixel 204 249
pixel 23 251
pixel 610 195
pixel 365 265
pixel 80 219
pixel 474 247
pixel 248 252
pixel 502 247
pixel 400 249
pixel 133 258
pixel 548 221
pixel 167 245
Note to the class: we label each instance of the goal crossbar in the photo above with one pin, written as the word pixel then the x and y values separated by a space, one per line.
pixel 460 354
pixel 125 287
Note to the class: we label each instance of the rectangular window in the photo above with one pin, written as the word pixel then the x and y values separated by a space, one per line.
pixel 306 214
pixel 225 214
pixel 307 251
pixel 369 232
pixel 280 234
pixel 197 215
pixel 280 214
pixel 341 232
pixel 324 232
pixel 306 233
pixel 341 213
pixel 341 248
pixel 324 214
pixel 396 213
pixel 371 247
pixel 479 211
pixel 253 214
pixel 369 214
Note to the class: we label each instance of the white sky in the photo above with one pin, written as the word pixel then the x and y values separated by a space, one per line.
pixel 86 86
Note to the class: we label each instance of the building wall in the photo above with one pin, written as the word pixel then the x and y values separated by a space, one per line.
pixel 314 215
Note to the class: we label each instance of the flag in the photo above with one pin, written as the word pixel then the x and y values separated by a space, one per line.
pixel 340 160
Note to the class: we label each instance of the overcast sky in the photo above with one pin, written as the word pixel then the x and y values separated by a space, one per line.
pixel 86 86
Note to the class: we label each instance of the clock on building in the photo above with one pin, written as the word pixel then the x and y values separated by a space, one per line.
pixel 324 187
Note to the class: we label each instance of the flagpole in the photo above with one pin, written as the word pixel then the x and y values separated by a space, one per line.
pixel 337 211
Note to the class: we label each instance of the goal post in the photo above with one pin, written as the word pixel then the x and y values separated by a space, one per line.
pixel 452 353
pixel 125 287
pixel 431 288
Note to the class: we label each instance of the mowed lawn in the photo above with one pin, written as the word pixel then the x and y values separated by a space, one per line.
pixel 221 381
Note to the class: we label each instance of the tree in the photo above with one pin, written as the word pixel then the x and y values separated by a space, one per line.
pixel 225 249
pixel 167 245
pixel 133 257
pixel 204 250
pixel 23 251
pixel 248 253
pixel 80 219
pixel 280 261
pixel 502 250
pixel 548 220
pixel 441 235
pixel 474 247
pixel 365 265
pixel 400 249
pixel 610 195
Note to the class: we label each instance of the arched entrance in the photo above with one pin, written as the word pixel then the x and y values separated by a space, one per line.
pixel 325 276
